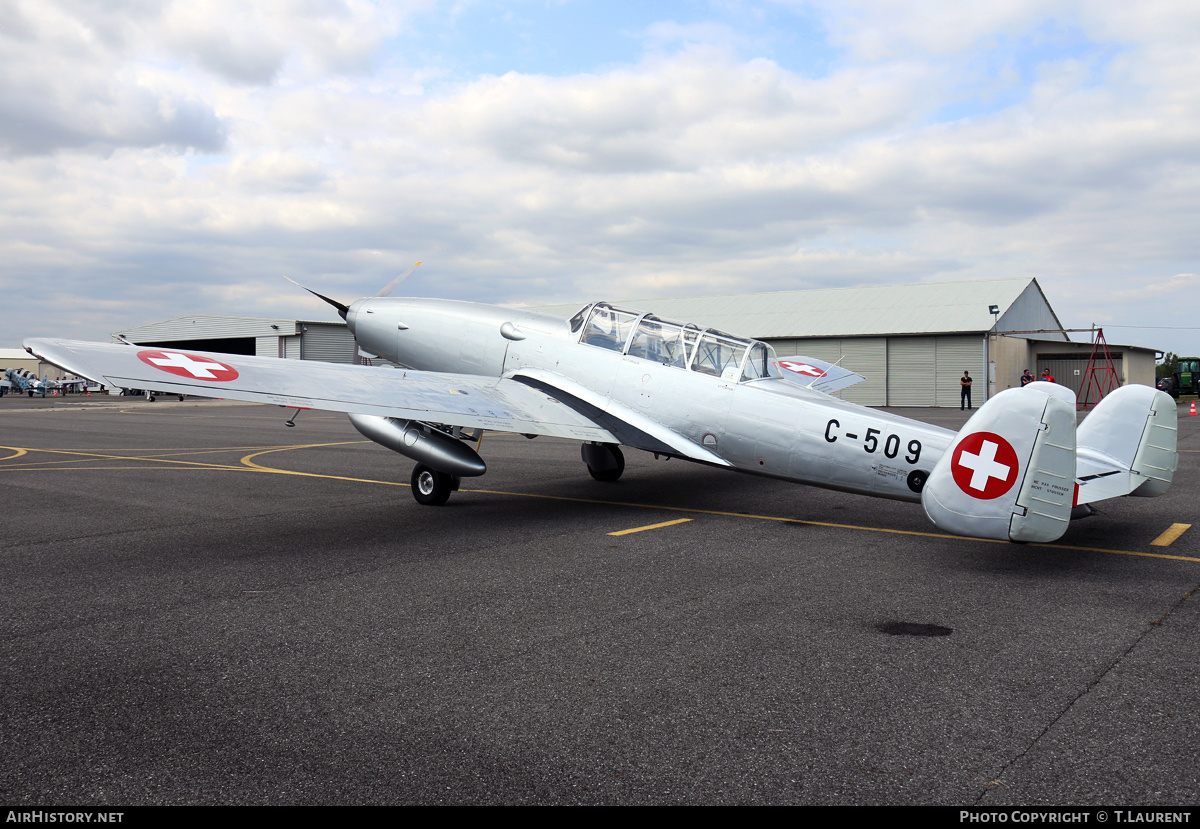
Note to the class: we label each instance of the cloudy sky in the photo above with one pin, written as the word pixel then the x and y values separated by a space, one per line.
pixel 160 158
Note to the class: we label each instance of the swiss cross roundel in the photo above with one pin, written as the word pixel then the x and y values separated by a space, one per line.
pixel 801 368
pixel 191 366
pixel 984 465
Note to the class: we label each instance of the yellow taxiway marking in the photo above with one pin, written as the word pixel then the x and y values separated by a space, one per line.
pixel 247 460
pixel 80 457
pixel 248 464
pixel 1173 532
pixel 653 526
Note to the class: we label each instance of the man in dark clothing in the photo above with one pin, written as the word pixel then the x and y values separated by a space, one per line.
pixel 964 401
pixel 1026 378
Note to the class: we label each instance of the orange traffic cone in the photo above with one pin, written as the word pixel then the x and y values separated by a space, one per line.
pixel 1193 411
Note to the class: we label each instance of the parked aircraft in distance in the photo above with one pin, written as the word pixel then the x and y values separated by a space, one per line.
pixel 26 381
pixel 1018 470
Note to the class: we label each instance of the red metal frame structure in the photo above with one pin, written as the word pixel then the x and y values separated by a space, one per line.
pixel 1100 376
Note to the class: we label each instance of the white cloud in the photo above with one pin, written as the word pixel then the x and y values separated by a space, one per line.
pixel 693 172
pixel 100 75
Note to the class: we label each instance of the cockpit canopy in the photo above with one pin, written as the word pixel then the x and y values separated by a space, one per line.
pixel 682 345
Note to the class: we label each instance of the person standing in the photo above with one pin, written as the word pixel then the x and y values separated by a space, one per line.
pixel 1047 376
pixel 1026 378
pixel 964 400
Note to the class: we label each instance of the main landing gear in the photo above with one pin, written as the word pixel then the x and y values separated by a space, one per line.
pixel 604 461
pixel 432 488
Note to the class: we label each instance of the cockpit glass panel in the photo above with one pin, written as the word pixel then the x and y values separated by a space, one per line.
pixel 757 363
pixel 577 320
pixel 608 328
pixel 716 354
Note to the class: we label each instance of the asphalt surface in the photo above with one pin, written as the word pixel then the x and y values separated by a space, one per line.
pixel 181 625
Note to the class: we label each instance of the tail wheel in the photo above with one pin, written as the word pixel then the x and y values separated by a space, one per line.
pixel 430 487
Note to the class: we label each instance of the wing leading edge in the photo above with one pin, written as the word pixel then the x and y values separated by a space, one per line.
pixel 452 399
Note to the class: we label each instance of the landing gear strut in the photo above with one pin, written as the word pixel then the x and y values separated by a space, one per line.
pixel 430 487
pixel 604 461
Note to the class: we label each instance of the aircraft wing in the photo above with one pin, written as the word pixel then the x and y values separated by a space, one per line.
pixel 630 427
pixel 452 399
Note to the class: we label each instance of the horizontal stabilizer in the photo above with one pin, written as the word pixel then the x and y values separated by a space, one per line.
pixel 1010 472
pixel 1127 445
pixel 812 373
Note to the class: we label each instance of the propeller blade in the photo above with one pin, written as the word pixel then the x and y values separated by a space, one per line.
pixel 341 309
pixel 395 283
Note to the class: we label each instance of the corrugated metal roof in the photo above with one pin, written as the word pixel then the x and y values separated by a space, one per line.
pixel 923 308
pixel 206 326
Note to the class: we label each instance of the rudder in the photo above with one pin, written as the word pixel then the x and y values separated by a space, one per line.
pixel 1010 472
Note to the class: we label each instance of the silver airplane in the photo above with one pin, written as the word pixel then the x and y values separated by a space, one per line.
pixel 1018 470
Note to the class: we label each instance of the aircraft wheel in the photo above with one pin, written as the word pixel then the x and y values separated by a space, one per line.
pixel 613 467
pixel 430 487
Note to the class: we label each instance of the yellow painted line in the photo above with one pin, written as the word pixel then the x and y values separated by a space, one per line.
pixel 653 526
pixel 1173 532
pixel 248 463
pixel 97 456
pixel 93 457
pixel 251 464
pixel 16 450
pixel 196 468
pixel 694 510
pixel 825 524
pixel 157 463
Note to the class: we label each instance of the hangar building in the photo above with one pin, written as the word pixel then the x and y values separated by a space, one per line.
pixel 911 342
pixel 265 337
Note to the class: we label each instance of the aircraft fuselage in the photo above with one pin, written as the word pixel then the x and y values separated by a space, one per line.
pixel 764 425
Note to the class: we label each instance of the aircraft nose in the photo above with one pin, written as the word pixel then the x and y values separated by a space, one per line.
pixel 352 315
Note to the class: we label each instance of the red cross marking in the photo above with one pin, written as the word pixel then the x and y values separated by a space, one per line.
pixel 802 368
pixel 984 465
pixel 188 365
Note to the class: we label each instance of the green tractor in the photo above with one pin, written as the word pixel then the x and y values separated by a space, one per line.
pixel 1184 380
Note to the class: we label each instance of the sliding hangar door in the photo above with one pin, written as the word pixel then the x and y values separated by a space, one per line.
pixel 902 371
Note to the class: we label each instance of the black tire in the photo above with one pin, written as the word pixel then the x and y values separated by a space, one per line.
pixel 609 475
pixel 430 487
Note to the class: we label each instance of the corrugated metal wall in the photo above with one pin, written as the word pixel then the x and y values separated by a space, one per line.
pixel 865 355
pixel 901 371
pixel 912 371
pixel 328 343
pixel 954 356
pixel 1068 369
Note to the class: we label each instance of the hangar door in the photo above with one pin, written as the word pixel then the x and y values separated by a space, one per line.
pixel 865 355
pixel 925 371
pixel 1069 369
